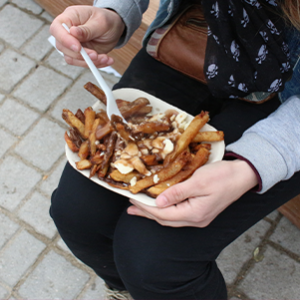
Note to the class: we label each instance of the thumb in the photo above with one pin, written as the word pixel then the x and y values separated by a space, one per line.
pixel 87 32
pixel 175 194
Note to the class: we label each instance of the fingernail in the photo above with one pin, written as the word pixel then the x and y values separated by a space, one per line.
pixel 130 211
pixel 103 60
pixel 93 56
pixel 161 201
pixel 74 48
pixel 79 31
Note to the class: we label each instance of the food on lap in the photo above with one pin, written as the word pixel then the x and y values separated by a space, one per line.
pixel 148 154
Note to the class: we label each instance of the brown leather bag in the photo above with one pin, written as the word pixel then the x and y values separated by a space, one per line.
pixel 176 46
pixel 182 44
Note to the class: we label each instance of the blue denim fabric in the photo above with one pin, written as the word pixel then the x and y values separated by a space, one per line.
pixel 168 8
pixel 292 87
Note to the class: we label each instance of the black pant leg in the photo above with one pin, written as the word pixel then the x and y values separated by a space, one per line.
pixel 156 262
pixel 85 215
pixel 159 262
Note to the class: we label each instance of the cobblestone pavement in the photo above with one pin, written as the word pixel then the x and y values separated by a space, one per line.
pixel 35 84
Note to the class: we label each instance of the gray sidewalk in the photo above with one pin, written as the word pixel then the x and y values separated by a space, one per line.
pixel 35 85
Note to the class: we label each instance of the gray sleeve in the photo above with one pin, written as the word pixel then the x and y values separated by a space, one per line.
pixel 131 12
pixel 273 144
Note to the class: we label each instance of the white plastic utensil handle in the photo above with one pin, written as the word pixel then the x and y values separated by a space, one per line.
pixel 111 104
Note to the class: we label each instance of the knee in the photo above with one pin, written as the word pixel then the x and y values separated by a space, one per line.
pixel 59 210
pixel 156 273
pixel 66 210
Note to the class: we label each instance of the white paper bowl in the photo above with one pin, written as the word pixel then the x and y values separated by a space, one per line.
pixel 216 153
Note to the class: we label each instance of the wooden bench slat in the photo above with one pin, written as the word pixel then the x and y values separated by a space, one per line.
pixel 291 210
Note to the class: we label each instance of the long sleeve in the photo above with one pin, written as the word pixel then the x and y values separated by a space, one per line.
pixel 273 144
pixel 131 12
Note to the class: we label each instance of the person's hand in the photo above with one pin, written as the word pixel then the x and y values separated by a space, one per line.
pixel 97 29
pixel 198 200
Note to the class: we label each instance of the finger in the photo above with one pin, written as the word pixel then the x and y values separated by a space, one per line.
pixel 101 61
pixel 64 40
pixel 174 213
pixel 133 210
pixel 88 31
pixel 177 193
pixel 68 52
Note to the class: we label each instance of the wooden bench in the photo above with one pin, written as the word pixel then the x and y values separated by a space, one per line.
pixel 123 57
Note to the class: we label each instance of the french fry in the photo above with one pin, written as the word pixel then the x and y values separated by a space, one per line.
pixel 108 154
pixel 187 136
pixel 80 115
pixel 208 136
pixel 102 131
pixel 89 114
pixel 102 115
pixel 94 170
pixel 93 138
pixel 84 150
pixel 96 91
pixel 134 107
pixel 155 151
pixel 97 158
pixel 139 166
pixel 118 176
pixel 162 175
pixel 121 128
pixel 149 160
pixel 83 164
pixel 196 162
pixel 75 137
pixel 115 184
pixel 151 127
pixel 143 111
pixel 70 143
pixel 74 122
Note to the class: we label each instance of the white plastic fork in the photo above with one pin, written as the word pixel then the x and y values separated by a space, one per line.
pixel 111 105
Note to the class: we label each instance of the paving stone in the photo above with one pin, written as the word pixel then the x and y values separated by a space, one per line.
pixel 30 5
pixel 61 244
pixel 76 97
pixel 275 277
pixel 95 291
pixel 233 257
pixel 36 213
pixel 287 235
pixel 54 278
pixel 7 230
pixel 47 16
pixel 16 117
pixel 2 2
pixel 39 46
pixel 16 180
pixel 3 293
pixel 51 182
pixel 1 97
pixel 56 61
pixel 7 140
pixel 17 257
pixel 43 145
pixel 17 26
pixel 1 47
pixel 273 215
pixel 13 68
pixel 42 88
